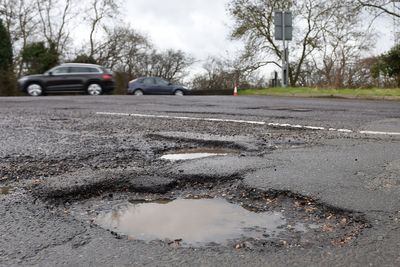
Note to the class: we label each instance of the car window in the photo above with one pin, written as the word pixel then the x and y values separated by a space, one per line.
pixel 61 70
pixel 148 81
pixel 91 70
pixel 83 70
pixel 160 81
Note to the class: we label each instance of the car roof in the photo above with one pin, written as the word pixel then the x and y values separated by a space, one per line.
pixel 146 77
pixel 81 65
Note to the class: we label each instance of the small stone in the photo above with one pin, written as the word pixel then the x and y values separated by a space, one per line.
pixel 249 245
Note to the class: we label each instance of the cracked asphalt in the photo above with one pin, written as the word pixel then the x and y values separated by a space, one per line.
pixel 61 162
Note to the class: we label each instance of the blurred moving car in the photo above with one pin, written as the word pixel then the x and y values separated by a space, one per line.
pixel 70 77
pixel 155 86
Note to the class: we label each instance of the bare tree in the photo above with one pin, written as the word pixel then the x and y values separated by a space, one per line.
pixel 55 18
pixel 254 23
pixel 171 64
pixel 122 49
pixel 389 7
pixel 219 73
pixel 100 10
pixel 7 13
pixel 345 41
pixel 21 21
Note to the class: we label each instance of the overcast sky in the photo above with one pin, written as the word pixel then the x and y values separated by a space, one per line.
pixel 199 27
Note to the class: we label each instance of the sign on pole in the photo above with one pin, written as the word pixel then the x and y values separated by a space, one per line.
pixel 284 32
pixel 283 25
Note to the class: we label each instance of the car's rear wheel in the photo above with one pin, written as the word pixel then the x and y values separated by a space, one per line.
pixel 34 89
pixel 138 92
pixel 94 89
pixel 178 93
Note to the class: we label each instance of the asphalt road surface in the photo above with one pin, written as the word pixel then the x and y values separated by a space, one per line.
pixel 332 163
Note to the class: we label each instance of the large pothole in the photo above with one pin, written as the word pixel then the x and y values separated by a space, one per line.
pixel 221 215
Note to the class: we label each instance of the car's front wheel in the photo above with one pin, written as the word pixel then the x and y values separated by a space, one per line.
pixel 94 89
pixel 178 93
pixel 138 92
pixel 34 89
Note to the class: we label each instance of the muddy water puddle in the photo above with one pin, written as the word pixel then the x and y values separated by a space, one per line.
pixel 194 221
pixel 231 216
pixel 189 154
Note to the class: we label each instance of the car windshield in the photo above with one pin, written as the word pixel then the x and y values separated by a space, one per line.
pixel 50 71
pixel 137 80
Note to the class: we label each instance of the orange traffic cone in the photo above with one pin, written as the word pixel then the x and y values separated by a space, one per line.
pixel 235 91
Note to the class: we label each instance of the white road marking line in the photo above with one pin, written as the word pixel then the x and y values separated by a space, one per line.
pixel 280 125
pixel 379 133
pixel 314 128
pixel 344 131
pixel 180 118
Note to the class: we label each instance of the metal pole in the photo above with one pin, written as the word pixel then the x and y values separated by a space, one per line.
pixel 284 80
pixel 287 63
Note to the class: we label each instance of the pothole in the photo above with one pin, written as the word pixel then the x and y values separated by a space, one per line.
pixel 194 222
pixel 189 154
pixel 226 214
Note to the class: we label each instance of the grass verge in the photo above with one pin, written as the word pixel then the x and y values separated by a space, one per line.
pixel 370 93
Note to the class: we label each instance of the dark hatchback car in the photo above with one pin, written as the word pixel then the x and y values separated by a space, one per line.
pixel 71 77
pixel 155 86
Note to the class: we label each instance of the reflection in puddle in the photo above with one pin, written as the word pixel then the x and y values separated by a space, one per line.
pixel 196 222
pixel 6 190
pixel 194 154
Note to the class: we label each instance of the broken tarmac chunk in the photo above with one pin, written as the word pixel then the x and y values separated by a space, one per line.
pixel 229 142
pixel 217 169
pixel 88 183
pixel 151 184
